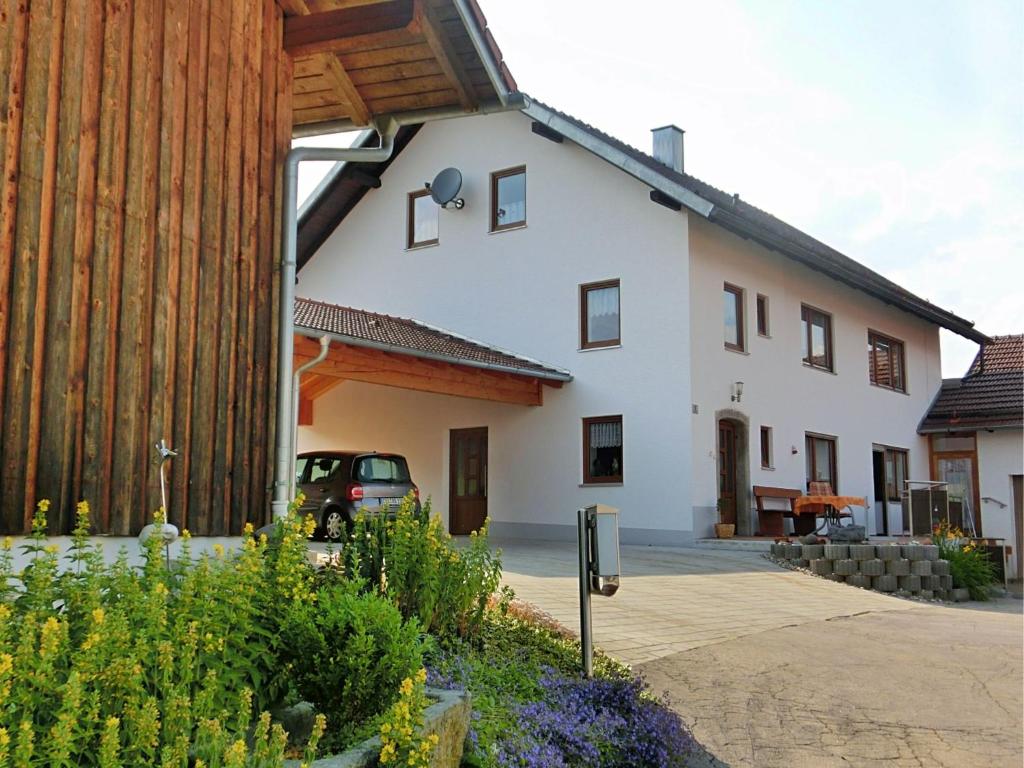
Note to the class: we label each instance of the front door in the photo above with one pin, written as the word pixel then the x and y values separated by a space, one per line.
pixel 467 506
pixel 727 471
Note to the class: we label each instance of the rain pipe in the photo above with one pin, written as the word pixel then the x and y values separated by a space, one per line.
pixel 284 434
pixel 325 346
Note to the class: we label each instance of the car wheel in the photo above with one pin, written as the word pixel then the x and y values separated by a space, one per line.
pixel 334 525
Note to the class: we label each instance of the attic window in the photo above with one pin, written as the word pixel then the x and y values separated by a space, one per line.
pixel 421 229
pixel 508 199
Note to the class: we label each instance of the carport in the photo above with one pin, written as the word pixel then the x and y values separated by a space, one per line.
pixel 400 352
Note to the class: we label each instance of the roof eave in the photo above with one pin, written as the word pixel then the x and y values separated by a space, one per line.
pixel 968 426
pixel 355 341
pixel 617 157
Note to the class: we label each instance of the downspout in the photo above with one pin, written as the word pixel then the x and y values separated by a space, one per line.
pixel 325 346
pixel 285 343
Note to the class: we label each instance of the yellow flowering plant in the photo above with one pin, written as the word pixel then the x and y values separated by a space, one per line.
pixel 402 740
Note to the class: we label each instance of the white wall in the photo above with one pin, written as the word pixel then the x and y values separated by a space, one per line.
pixel 786 395
pixel 519 290
pixel 1000 455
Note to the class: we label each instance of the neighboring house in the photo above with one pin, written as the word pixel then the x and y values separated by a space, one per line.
pixel 975 433
pixel 712 347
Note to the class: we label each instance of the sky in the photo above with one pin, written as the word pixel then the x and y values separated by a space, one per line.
pixel 891 130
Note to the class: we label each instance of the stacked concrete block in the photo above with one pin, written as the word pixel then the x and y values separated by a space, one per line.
pixel 909 569
pixel 888 552
pixel 886 583
pixel 899 567
pixel 961 595
pixel 910 583
pixel 845 567
pixel 862 551
pixel 921 567
pixel 821 567
pixel 874 567
pixel 837 551
pixel 812 551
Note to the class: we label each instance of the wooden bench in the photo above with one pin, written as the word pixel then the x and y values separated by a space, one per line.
pixel 771 522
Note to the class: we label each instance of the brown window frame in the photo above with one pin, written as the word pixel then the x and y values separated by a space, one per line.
pixel 496 226
pixel 586 288
pixel 767 457
pixel 410 222
pixel 873 338
pixel 830 365
pixel 741 335
pixel 589 479
pixel 812 458
pixel 764 328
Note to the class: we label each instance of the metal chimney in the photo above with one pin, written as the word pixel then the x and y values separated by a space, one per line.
pixel 668 146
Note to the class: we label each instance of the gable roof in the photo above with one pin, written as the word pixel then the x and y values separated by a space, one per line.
pixel 989 396
pixel 362 328
pixel 675 189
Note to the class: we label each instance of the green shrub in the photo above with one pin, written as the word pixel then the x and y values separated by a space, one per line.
pixel 109 665
pixel 347 654
pixel 412 560
pixel 969 566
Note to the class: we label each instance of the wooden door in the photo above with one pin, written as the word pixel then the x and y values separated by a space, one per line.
pixel 727 471
pixel 467 505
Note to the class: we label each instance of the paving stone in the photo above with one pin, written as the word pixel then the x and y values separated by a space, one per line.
pixel 888 552
pixel 845 567
pixel 940 567
pixel 859 580
pixel 910 583
pixel 837 551
pixel 862 551
pixel 897 567
pixel 887 583
pixel 921 567
pixel 821 567
pixel 872 567
pixel 812 551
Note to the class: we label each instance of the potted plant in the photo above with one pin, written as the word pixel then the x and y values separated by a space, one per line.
pixel 723 530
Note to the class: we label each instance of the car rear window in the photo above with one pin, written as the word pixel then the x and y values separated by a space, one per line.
pixel 382 469
pixel 323 469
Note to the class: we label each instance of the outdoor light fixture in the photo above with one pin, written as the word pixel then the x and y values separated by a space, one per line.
pixel 737 391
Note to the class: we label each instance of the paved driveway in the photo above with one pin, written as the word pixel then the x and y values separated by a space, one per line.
pixel 771 667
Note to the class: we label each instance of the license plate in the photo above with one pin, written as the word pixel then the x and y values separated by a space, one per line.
pixel 394 503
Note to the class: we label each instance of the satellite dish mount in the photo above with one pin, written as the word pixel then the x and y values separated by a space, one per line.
pixel 445 187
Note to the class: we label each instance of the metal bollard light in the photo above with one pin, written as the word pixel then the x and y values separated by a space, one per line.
pixel 598 534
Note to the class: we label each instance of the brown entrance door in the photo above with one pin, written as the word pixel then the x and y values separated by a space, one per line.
pixel 467 506
pixel 727 471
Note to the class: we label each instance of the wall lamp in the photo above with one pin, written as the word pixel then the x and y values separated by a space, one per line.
pixel 737 391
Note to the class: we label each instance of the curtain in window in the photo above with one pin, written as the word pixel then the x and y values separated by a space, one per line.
pixel 602 314
pixel 606 435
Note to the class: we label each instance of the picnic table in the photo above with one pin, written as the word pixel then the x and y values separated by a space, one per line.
pixel 832 508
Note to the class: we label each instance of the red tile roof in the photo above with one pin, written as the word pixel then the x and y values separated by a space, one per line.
pixel 990 396
pixel 371 329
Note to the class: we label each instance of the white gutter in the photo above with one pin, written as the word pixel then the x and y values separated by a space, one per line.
pixel 325 347
pixel 285 341
pixel 618 158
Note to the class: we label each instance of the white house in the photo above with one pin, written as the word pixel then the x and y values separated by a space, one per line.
pixel 711 347
pixel 977 442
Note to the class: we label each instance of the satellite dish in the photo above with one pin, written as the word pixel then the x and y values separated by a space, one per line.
pixel 445 188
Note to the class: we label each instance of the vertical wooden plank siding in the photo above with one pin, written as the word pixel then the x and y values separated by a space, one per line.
pixel 141 144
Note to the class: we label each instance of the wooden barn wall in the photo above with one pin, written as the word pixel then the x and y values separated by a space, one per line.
pixel 140 151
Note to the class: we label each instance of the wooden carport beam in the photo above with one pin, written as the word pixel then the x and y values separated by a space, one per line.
pixel 442 49
pixel 336 75
pixel 381 25
pixel 374 366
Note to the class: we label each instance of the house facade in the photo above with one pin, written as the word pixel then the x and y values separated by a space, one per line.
pixel 711 347
pixel 975 429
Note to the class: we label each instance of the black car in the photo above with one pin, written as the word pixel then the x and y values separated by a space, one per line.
pixel 340 484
